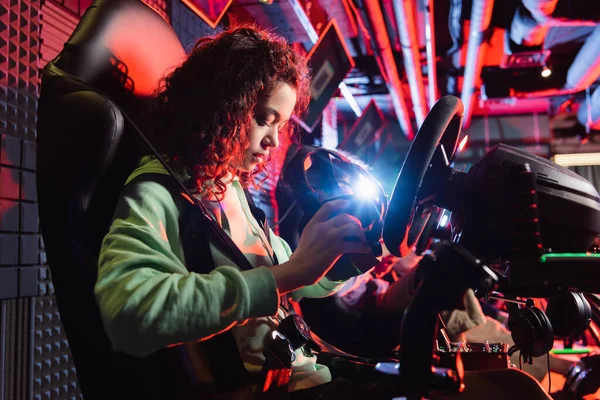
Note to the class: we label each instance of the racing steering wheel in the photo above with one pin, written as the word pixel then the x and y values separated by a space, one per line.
pixel 405 217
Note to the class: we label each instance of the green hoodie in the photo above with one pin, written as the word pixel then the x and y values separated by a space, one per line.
pixel 147 297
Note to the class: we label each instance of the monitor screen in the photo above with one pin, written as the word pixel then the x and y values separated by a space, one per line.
pixel 364 137
pixel 329 61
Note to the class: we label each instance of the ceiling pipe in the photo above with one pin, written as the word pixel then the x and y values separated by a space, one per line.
pixel 584 70
pixel 481 15
pixel 589 111
pixel 404 11
pixel 383 52
pixel 530 26
pixel 430 46
pixel 533 18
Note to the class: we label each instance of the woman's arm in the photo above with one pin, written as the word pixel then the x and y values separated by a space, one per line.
pixel 147 297
pixel 323 288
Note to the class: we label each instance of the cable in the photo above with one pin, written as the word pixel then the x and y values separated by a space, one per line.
pixel 286 213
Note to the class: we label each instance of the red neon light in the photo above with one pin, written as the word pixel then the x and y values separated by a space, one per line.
pixel 202 14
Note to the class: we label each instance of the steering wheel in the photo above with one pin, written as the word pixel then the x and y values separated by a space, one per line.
pixel 404 221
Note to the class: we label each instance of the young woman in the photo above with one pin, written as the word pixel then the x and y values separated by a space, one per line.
pixel 216 119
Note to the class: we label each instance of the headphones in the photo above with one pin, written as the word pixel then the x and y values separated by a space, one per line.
pixel 531 330
pixel 315 176
pixel 567 316
pixel 570 314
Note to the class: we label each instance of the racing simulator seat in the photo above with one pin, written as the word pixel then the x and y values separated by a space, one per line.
pixel 86 150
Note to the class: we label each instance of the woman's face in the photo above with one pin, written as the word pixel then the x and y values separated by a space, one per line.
pixel 270 116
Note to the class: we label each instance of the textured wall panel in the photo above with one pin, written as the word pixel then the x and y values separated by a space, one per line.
pixel 57 26
pixel 24 316
pixel 77 7
pixel 74 7
pixel 53 370
pixel 16 345
pixel 160 6
pixel 35 362
pixel 19 34
pixel 188 26
pixel 19 85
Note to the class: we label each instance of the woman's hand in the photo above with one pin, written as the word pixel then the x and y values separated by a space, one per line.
pixel 327 236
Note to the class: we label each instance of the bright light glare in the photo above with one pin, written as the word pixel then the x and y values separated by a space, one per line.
pixel 546 72
pixel 444 220
pixel 365 188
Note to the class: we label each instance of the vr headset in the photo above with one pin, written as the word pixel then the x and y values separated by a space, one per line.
pixel 315 176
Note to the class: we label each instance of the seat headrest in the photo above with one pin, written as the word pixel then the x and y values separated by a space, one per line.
pixel 120 48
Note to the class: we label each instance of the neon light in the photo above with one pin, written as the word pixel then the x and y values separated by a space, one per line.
pixel 545 257
pixel 462 144
pixel 197 9
pixel 350 99
pixel 546 72
pixel 304 21
pixel 577 159
pixel 444 220
pixel 571 351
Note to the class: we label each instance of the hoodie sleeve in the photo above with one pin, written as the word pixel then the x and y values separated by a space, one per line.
pixel 148 299
pixel 323 288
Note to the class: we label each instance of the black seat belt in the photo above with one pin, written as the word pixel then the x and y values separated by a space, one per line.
pixel 221 351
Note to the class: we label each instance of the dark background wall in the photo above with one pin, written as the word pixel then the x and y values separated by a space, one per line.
pixel 34 356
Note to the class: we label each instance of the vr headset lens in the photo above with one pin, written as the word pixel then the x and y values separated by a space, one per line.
pixel 330 178
pixel 317 176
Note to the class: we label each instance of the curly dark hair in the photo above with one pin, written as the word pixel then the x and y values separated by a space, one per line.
pixel 202 112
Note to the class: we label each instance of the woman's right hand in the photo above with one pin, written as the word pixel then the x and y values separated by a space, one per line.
pixel 330 233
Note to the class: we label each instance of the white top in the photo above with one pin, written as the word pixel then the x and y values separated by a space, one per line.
pixel 251 337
